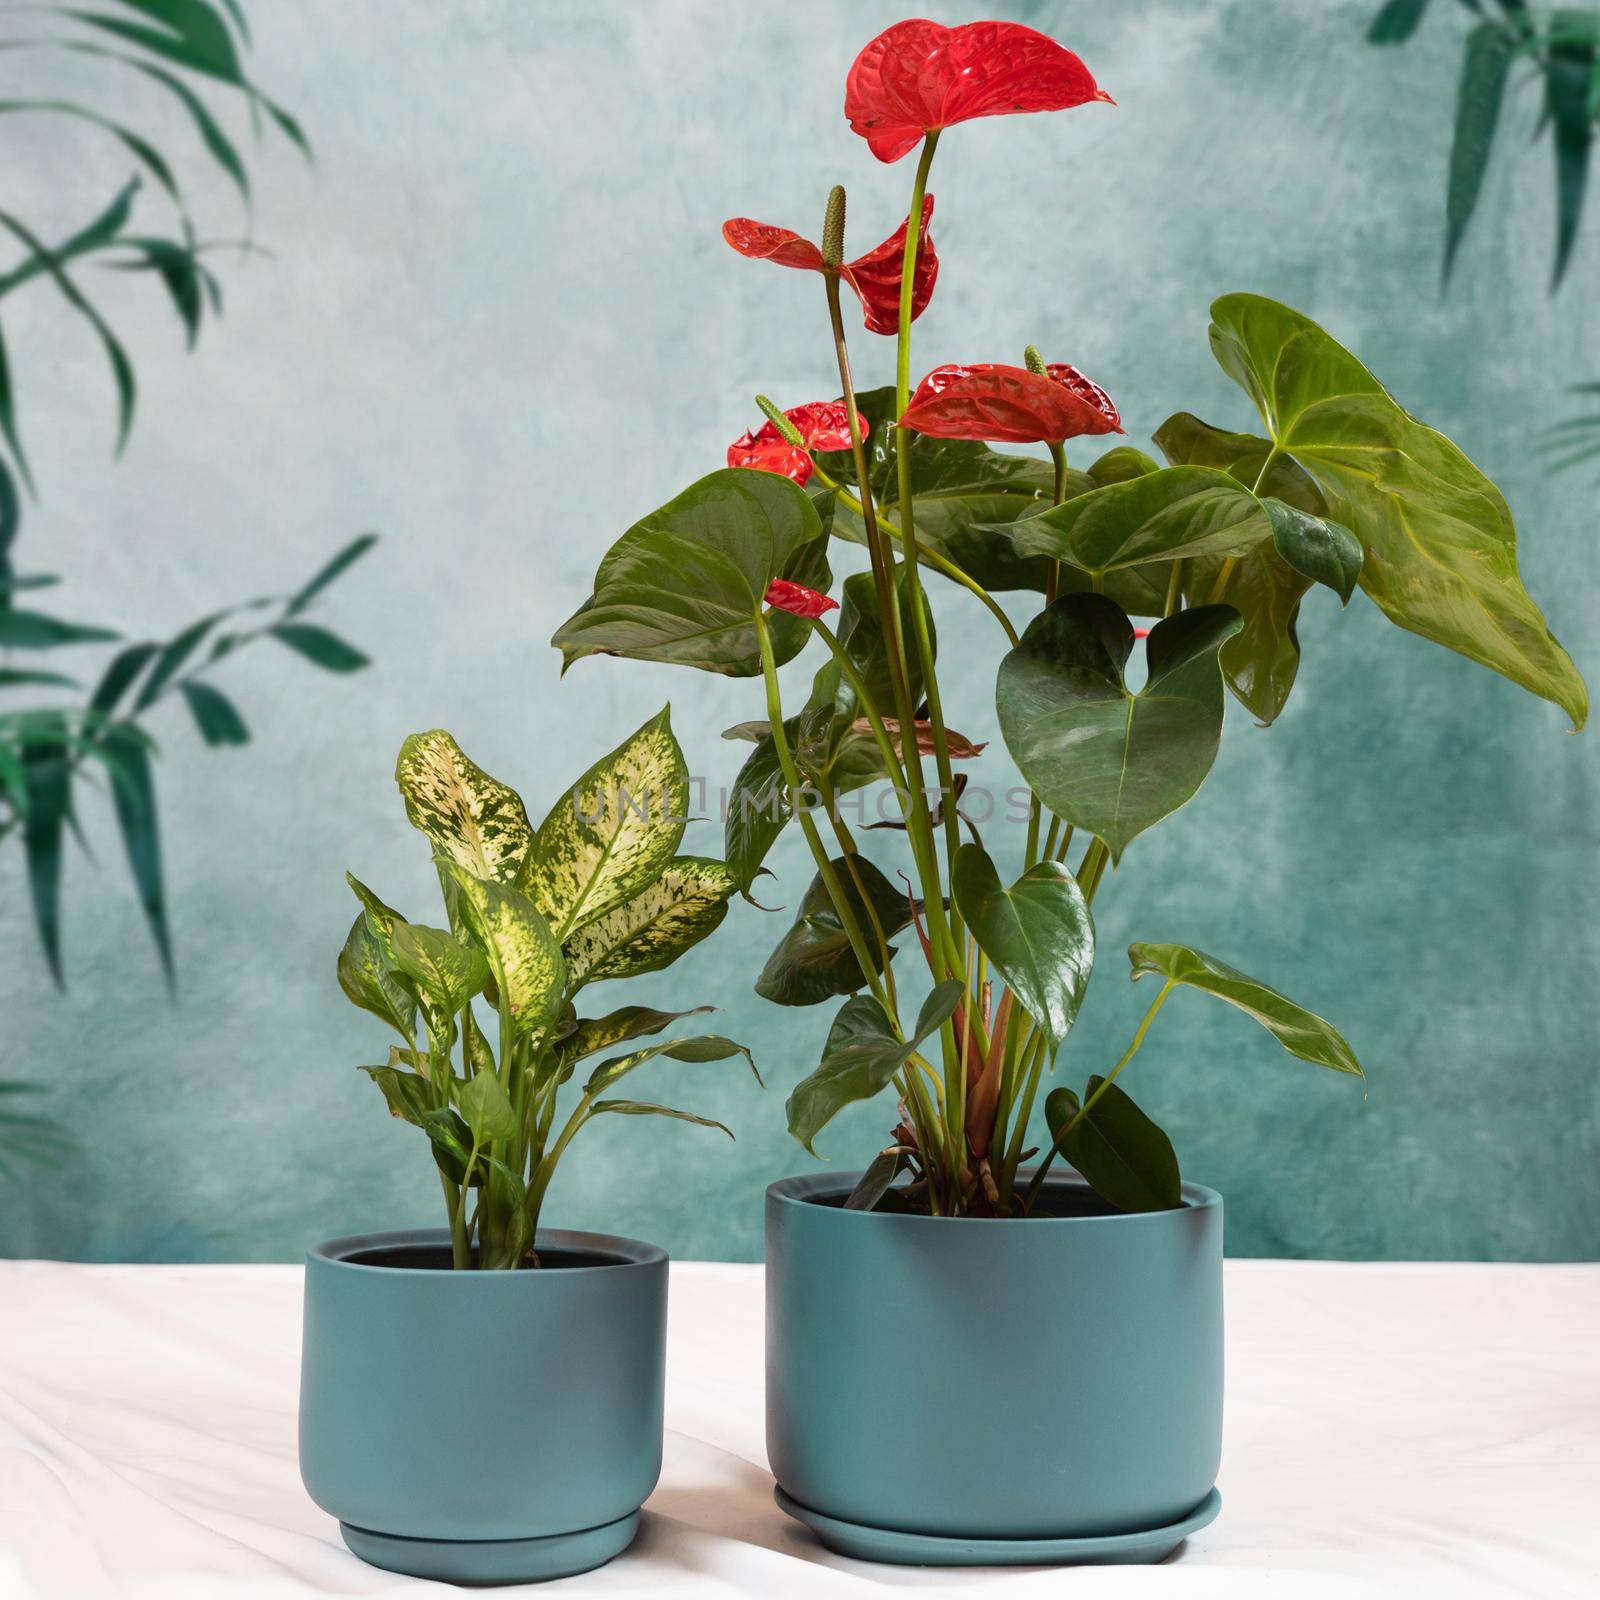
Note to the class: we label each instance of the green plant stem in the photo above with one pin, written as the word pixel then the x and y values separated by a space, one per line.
pixel 878 553
pixel 906 509
pixel 539 1182
pixel 1092 868
pixel 460 1254
pixel 1058 459
pixel 1031 1067
pixel 1226 570
pixel 848 851
pixel 1110 1078
pixel 808 826
pixel 1017 1042
pixel 1058 456
pixel 943 564
pixel 852 675
pixel 490 1207
pixel 919 821
pixel 916 1096
pixel 921 844
pixel 1174 589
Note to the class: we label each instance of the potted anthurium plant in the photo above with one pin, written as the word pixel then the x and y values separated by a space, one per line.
pixel 970 1358
pixel 482 1402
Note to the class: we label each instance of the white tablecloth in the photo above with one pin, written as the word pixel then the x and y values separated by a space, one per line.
pixel 1408 1430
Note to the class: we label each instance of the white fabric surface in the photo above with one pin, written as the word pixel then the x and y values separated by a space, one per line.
pixel 1391 1429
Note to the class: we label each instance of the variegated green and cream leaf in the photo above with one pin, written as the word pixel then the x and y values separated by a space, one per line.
pixel 656 926
pixel 524 957
pixel 381 918
pixel 472 818
pixel 368 982
pixel 612 832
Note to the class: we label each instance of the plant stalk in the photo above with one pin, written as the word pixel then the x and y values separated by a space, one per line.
pixel 905 507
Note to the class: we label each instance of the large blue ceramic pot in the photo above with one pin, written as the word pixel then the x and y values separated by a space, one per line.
pixel 483 1427
pixel 970 1389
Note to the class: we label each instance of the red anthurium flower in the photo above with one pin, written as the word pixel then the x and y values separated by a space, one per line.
pixel 1010 405
pixel 919 76
pixel 874 277
pixel 766 450
pixel 823 425
pixel 798 600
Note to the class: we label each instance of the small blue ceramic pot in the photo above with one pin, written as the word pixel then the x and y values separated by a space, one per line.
pixel 1049 1378
pixel 483 1427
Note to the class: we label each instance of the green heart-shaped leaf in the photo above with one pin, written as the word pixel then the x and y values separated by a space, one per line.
pixel 1101 757
pixel 684 583
pixel 1440 543
pixel 1123 1156
pixel 1302 1033
pixel 1261 661
pixel 1167 515
pixel 1038 934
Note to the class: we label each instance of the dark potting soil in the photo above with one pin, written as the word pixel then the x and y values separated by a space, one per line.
pixel 436 1258
pixel 1056 1200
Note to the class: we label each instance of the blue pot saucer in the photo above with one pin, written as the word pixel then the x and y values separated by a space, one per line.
pixel 480 1562
pixel 943 1550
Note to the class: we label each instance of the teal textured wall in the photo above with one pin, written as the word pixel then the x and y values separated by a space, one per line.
pixel 500 324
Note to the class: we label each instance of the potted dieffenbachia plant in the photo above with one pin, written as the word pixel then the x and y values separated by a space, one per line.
pixel 483 1401
pixel 968 1358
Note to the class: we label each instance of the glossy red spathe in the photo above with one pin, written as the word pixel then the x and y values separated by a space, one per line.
pixel 873 278
pixel 1010 405
pixel 920 76
pixel 822 424
pixel 798 600
pixel 766 450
